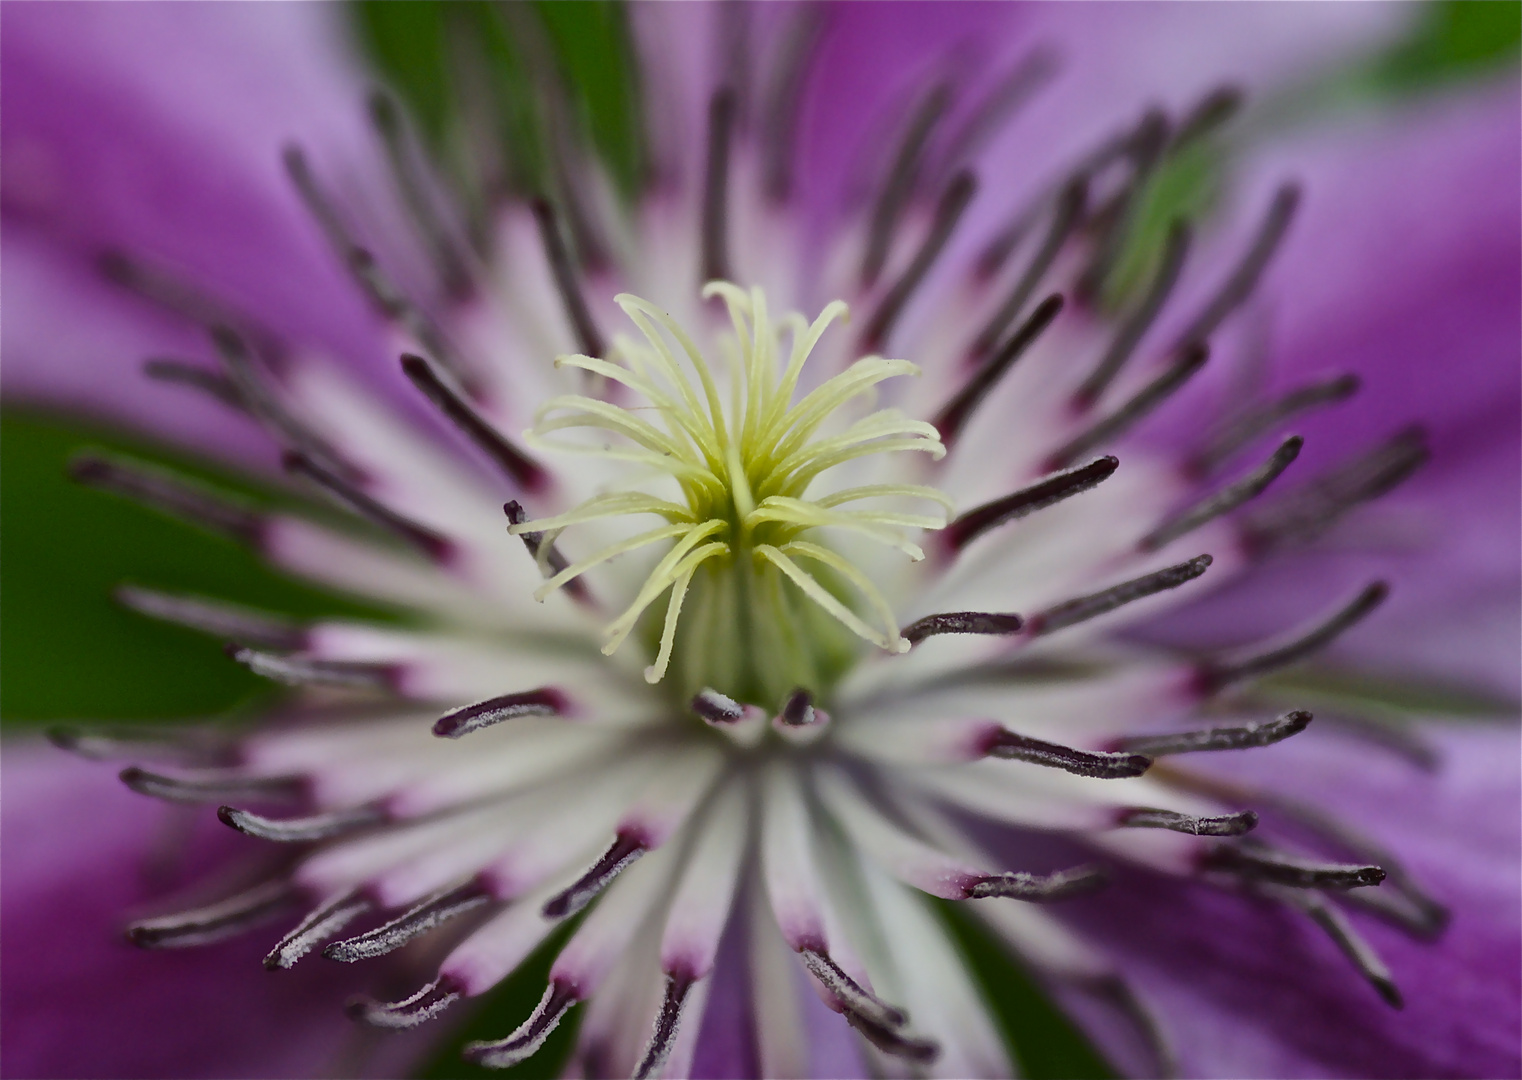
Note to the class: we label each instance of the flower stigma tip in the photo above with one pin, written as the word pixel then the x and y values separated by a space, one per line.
pixel 757 603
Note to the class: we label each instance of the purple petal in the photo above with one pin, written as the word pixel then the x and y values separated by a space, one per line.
pixel 1247 989
pixel 79 1001
pixel 108 148
pixel 1405 269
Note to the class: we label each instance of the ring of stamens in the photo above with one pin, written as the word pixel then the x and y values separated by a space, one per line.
pixel 744 472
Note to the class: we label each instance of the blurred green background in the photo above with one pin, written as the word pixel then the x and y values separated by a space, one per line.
pixel 67 652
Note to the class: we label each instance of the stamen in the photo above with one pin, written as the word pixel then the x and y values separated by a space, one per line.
pixel 1244 737
pixel 183 373
pixel 447 259
pixel 1421 915
pixel 1244 279
pixel 1065 218
pixel 321 923
pixel 1226 825
pixel 526 1041
pixel 1040 888
pixel 997 251
pixel 1261 865
pixel 849 992
pixel 736 44
pixel 210 785
pixel 430 543
pixel 560 132
pixel 1347 939
pixel 421 1007
pixel 626 847
pixel 894 1043
pixel 305 671
pixel 215 922
pixel 546 701
pixel 418 919
pixel 379 289
pixel 974 523
pixel 948 211
pixel 1308 511
pixel 1400 901
pixel 1215 676
pixel 1227 499
pixel 779 116
pixel 1190 360
pixel 716 708
pixel 137 743
pixel 901 177
pixel 1129 335
pixel 1001 104
pixel 1212 112
pixel 745 725
pixel 956 412
pixel 666 1024
pixel 1099 764
pixel 801 722
pixel 1084 608
pixel 1108 223
pixel 171 495
pixel 567 282
pixel 219 620
pixel 798 710
pixel 1118 993
pixel 175 296
pixel 715 234
pixel 1405 907
pixel 512 461
pixel 303 829
pixel 254 391
pixel 962 622
pixel 542 551
pixel 1256 421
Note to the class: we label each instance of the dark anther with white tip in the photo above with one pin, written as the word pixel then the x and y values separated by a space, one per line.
pixel 1252 863
pixel 347 494
pixel 431 1000
pixel 517 465
pixel 1216 675
pixel 1224 825
pixel 214 922
pixel 311 671
pixel 302 830
pixel 1040 888
pixel 626 847
pixel 800 722
pixel 1100 764
pixel 1244 736
pixel 1083 608
pixel 319 925
pixel 966 528
pixel 546 701
pixel 423 916
pixel 963 622
pixel 211 785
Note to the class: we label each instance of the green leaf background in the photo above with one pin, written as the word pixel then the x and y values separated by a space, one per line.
pixel 68 652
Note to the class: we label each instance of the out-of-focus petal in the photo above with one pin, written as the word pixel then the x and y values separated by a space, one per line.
pixel 81 1002
pixel 1404 269
pixel 91 366
pixel 105 150
pixel 1244 989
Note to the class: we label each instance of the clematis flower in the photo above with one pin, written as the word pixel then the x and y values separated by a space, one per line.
pixel 885 504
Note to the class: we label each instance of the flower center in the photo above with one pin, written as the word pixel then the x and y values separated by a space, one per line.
pixel 758 603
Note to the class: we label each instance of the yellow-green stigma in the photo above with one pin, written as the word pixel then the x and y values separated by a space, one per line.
pixel 769 606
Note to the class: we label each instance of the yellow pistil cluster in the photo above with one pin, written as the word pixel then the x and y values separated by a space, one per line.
pixel 744 475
